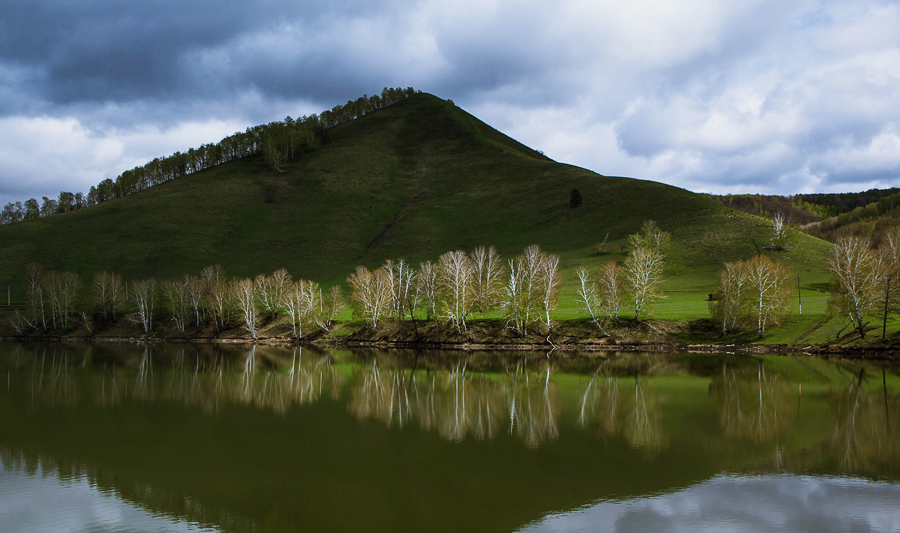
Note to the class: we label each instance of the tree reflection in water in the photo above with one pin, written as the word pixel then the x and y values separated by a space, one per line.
pixel 457 404
pixel 754 408
pixel 258 377
pixel 636 416
pixel 864 437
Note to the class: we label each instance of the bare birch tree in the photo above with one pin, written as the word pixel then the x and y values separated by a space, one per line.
pixel 175 300
pixel 195 295
pixel 457 285
pixel 220 302
pixel 651 237
pixel 329 307
pixel 589 297
pixel 34 294
pixel 600 295
pixel 730 301
pixel 213 274
pixel 269 290
pixel 488 274
pixel 548 284
pixel 531 288
pixel 401 280
pixel 643 274
pixel 427 289
pixel 245 296
pixel 611 288
pixel 889 253
pixel 769 286
pixel 108 293
pixel 144 297
pixel 62 290
pixel 370 294
pixel 857 276
pixel 780 232
pixel 298 302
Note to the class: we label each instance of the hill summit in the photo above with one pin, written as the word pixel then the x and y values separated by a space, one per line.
pixel 412 180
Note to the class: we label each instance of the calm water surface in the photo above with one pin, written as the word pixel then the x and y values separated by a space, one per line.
pixel 221 438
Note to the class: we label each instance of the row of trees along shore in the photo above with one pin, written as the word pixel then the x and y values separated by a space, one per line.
pixel 523 290
pixel 278 142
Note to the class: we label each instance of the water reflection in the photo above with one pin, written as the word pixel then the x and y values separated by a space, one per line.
pixel 864 437
pixel 187 431
pixel 752 405
pixel 457 404
pixel 635 414
pixel 41 494
pixel 263 377
pixel 728 503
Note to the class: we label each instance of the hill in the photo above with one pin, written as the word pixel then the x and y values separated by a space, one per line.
pixel 411 180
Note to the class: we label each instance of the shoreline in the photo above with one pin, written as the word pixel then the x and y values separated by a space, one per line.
pixel 854 351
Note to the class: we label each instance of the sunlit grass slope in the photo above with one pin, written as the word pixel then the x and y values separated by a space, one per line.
pixel 411 181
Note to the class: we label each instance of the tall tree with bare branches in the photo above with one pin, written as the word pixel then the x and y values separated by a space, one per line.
pixel 457 284
pixel 769 289
pixel 857 271
pixel 245 295
pixel 370 294
pixel 108 294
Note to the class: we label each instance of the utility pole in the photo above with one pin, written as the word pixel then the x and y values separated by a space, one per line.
pixel 799 300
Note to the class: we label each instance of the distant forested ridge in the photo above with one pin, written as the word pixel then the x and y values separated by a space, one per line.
pixel 828 216
pixel 278 142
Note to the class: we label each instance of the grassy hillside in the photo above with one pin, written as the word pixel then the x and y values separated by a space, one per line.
pixel 411 181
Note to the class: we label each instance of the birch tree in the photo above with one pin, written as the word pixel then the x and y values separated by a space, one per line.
pixel 401 280
pixel 213 274
pixel 600 295
pixel 427 289
pixel 548 284
pixel 195 295
pixel 175 301
pixel 62 290
pixel 270 290
pixel 769 286
pixel 589 297
pixel 220 302
pixel 108 292
pixel 34 293
pixel 370 294
pixel 298 302
pixel 144 297
pixel 889 256
pixel 245 296
pixel 532 288
pixel 857 275
pixel 643 274
pixel 456 282
pixel 780 232
pixel 488 275
pixel 329 307
pixel 731 295
pixel 611 288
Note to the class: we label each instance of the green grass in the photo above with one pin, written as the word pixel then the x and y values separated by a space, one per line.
pixel 411 181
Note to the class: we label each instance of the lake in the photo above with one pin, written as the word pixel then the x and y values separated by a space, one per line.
pixel 235 438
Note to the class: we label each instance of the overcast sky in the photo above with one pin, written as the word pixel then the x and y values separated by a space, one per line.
pixel 717 96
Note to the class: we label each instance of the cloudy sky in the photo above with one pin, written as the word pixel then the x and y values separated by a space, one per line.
pixel 710 95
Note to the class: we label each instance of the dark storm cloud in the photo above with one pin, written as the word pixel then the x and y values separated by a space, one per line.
pixel 704 94
pixel 123 51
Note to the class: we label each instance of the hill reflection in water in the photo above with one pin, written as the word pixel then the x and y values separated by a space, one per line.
pixel 264 438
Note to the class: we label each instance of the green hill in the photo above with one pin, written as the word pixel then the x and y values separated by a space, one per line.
pixel 412 180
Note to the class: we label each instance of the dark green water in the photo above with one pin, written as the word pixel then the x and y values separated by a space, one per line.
pixel 233 438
